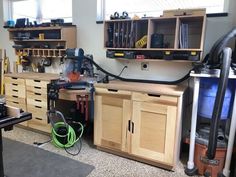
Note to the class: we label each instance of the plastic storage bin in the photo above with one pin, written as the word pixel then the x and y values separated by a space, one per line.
pixel 207 95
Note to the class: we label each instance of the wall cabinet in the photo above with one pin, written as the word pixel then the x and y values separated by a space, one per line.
pixel 43 41
pixel 167 37
pixel 28 91
pixel 137 123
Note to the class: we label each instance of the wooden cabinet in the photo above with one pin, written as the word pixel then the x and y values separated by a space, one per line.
pixel 139 121
pixel 44 41
pixel 113 111
pixel 168 37
pixel 28 91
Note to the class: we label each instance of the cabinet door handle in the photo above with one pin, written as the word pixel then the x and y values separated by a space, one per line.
pixel 153 95
pixel 132 128
pixel 129 125
pixel 112 90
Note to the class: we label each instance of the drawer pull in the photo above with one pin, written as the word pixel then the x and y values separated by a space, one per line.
pixel 37 93
pixel 14 78
pixel 15 102
pixel 153 95
pixel 14 90
pixel 14 96
pixel 38 100
pixel 112 90
pixel 38 118
pixel 129 125
pixel 15 84
pixel 37 80
pixel 37 87
pixel 38 107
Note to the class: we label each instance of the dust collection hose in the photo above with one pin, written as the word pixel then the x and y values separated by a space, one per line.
pixel 223 81
pixel 139 80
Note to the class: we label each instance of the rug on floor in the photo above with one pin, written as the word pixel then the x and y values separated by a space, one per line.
pixel 22 160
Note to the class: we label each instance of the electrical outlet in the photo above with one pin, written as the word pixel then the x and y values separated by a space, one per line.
pixel 145 66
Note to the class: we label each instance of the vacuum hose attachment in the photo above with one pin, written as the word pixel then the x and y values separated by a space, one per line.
pixel 223 81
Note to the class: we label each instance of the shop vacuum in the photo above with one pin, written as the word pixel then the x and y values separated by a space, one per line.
pixel 211 148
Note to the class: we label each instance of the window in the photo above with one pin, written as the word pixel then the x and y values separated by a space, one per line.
pixel 42 10
pixel 155 8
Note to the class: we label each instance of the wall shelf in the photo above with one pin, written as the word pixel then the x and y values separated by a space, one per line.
pixel 181 35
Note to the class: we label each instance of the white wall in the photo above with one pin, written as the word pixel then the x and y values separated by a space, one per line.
pixel 90 38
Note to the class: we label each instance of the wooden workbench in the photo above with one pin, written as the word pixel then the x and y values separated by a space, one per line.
pixel 140 121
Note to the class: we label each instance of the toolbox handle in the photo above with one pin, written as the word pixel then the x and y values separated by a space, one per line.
pixel 153 95
pixel 37 87
pixel 37 118
pixel 15 84
pixel 38 107
pixel 37 93
pixel 37 100
pixel 14 90
pixel 112 90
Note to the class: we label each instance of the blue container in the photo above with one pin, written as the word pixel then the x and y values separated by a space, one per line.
pixel 207 95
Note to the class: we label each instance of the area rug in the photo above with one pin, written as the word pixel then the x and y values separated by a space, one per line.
pixel 22 160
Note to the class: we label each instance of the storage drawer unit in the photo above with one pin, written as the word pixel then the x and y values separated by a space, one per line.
pixel 15 93
pixel 28 91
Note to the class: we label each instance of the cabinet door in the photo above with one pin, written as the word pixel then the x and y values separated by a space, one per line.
pixel 153 134
pixel 112 113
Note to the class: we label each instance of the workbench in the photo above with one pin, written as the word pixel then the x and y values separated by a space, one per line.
pixel 7 124
pixel 139 121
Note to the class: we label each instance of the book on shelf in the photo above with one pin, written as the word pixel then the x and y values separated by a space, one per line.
pixel 183 36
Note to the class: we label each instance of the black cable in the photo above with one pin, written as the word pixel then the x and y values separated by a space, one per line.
pixel 139 80
pixel 79 147
pixel 39 144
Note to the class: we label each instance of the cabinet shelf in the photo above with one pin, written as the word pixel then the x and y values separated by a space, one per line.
pixel 176 34
pixel 40 40
pixel 52 53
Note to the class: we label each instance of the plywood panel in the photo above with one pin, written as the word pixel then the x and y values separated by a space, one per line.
pixel 153 130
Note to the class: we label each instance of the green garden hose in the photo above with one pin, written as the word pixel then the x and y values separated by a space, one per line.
pixel 71 135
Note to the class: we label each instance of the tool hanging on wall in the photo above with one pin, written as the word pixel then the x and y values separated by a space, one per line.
pixel 5 68
pixel 23 60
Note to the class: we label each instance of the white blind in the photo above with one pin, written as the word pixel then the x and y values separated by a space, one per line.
pixel 43 10
pixel 155 7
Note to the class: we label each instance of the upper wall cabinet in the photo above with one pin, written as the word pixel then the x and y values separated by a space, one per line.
pixel 170 38
pixel 43 41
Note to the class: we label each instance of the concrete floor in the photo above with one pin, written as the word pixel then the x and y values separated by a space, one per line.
pixel 106 165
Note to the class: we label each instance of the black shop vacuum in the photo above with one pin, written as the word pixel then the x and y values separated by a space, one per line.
pixel 211 154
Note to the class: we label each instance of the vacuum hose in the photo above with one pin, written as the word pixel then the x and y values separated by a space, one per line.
pixel 222 85
pixel 139 80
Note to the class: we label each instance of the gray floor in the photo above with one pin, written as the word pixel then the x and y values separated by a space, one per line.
pixel 106 165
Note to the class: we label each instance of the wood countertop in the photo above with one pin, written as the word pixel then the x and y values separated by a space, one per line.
pixel 174 90
pixel 34 76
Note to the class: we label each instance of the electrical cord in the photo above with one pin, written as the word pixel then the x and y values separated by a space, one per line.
pixel 118 75
pixel 139 80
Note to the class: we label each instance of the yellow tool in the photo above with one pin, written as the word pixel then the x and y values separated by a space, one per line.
pixel 4 69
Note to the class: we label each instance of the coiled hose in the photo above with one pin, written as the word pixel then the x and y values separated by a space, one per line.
pixel 69 137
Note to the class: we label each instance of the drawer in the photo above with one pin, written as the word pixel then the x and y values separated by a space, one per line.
pixel 36 96
pixel 14 80
pixel 17 90
pixel 155 98
pixel 36 83
pixel 37 111
pixel 39 124
pixel 15 98
pixel 36 89
pixel 113 92
pixel 37 102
